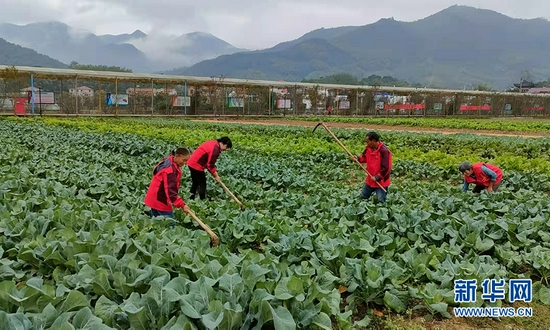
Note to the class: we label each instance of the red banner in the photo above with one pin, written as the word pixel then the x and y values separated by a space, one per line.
pixel 535 109
pixel 475 108
pixel 404 106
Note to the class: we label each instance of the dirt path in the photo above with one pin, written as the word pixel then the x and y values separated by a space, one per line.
pixel 304 123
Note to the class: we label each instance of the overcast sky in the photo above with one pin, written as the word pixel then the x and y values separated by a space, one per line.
pixel 243 23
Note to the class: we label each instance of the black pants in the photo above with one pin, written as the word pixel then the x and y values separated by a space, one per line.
pixel 198 179
pixel 479 188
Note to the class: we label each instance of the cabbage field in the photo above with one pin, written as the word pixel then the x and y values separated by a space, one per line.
pixel 77 250
pixel 519 124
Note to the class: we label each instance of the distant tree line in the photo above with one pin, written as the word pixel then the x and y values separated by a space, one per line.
pixel 545 83
pixel 376 80
pixel 372 80
pixel 484 87
pixel 77 66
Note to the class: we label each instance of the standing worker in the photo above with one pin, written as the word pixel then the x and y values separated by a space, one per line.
pixel 162 194
pixel 483 175
pixel 379 164
pixel 204 158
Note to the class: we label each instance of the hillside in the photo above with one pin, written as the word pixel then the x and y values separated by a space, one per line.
pixel 458 47
pixel 12 54
pixel 137 51
pixel 67 44
pixel 296 62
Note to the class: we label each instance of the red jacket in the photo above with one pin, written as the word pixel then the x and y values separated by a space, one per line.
pixel 379 163
pixel 164 187
pixel 481 178
pixel 205 157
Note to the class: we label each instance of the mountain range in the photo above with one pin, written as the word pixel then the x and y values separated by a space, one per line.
pixel 12 54
pixel 136 51
pixel 457 47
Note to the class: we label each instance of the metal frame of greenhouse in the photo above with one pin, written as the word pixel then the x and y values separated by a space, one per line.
pixel 424 100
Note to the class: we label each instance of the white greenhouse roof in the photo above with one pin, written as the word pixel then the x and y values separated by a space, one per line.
pixel 162 78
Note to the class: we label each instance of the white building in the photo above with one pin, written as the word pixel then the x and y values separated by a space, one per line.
pixel 82 91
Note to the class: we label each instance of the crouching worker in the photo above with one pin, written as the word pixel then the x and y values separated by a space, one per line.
pixel 379 163
pixel 484 176
pixel 162 194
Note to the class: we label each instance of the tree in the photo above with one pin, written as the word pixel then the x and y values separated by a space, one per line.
pixel 11 80
pixel 526 75
pixel 545 83
pixel 372 80
pixel 77 66
pixel 339 78
pixel 348 79
pixel 484 87
pixel 315 98
pixel 376 80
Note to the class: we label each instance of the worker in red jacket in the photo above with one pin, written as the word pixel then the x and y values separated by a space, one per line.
pixel 162 194
pixel 379 164
pixel 483 175
pixel 204 158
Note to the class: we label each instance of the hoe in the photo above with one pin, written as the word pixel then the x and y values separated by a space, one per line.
pixel 349 153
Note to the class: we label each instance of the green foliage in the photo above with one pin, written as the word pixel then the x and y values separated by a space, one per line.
pixel 545 83
pixel 76 248
pixel 348 79
pixel 77 66
pixel 506 125
pixel 484 87
pixel 339 78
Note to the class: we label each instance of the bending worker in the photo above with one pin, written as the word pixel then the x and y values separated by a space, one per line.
pixel 483 175
pixel 204 158
pixel 162 194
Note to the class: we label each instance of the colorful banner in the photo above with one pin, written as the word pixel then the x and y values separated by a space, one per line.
pixel 283 104
pixel 181 101
pixel 121 99
pixel 537 108
pixel 404 106
pixel 466 107
pixel 235 102
pixel 41 97
pixel 344 105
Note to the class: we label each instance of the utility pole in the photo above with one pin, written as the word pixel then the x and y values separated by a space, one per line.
pixel 40 99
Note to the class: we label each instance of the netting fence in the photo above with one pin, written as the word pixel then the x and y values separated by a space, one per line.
pixel 23 93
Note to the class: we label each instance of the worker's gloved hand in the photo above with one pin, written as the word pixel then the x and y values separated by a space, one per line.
pixel 377 178
pixel 186 209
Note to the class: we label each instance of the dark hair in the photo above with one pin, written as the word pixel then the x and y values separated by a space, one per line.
pixel 373 136
pixel 464 166
pixel 227 141
pixel 181 151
